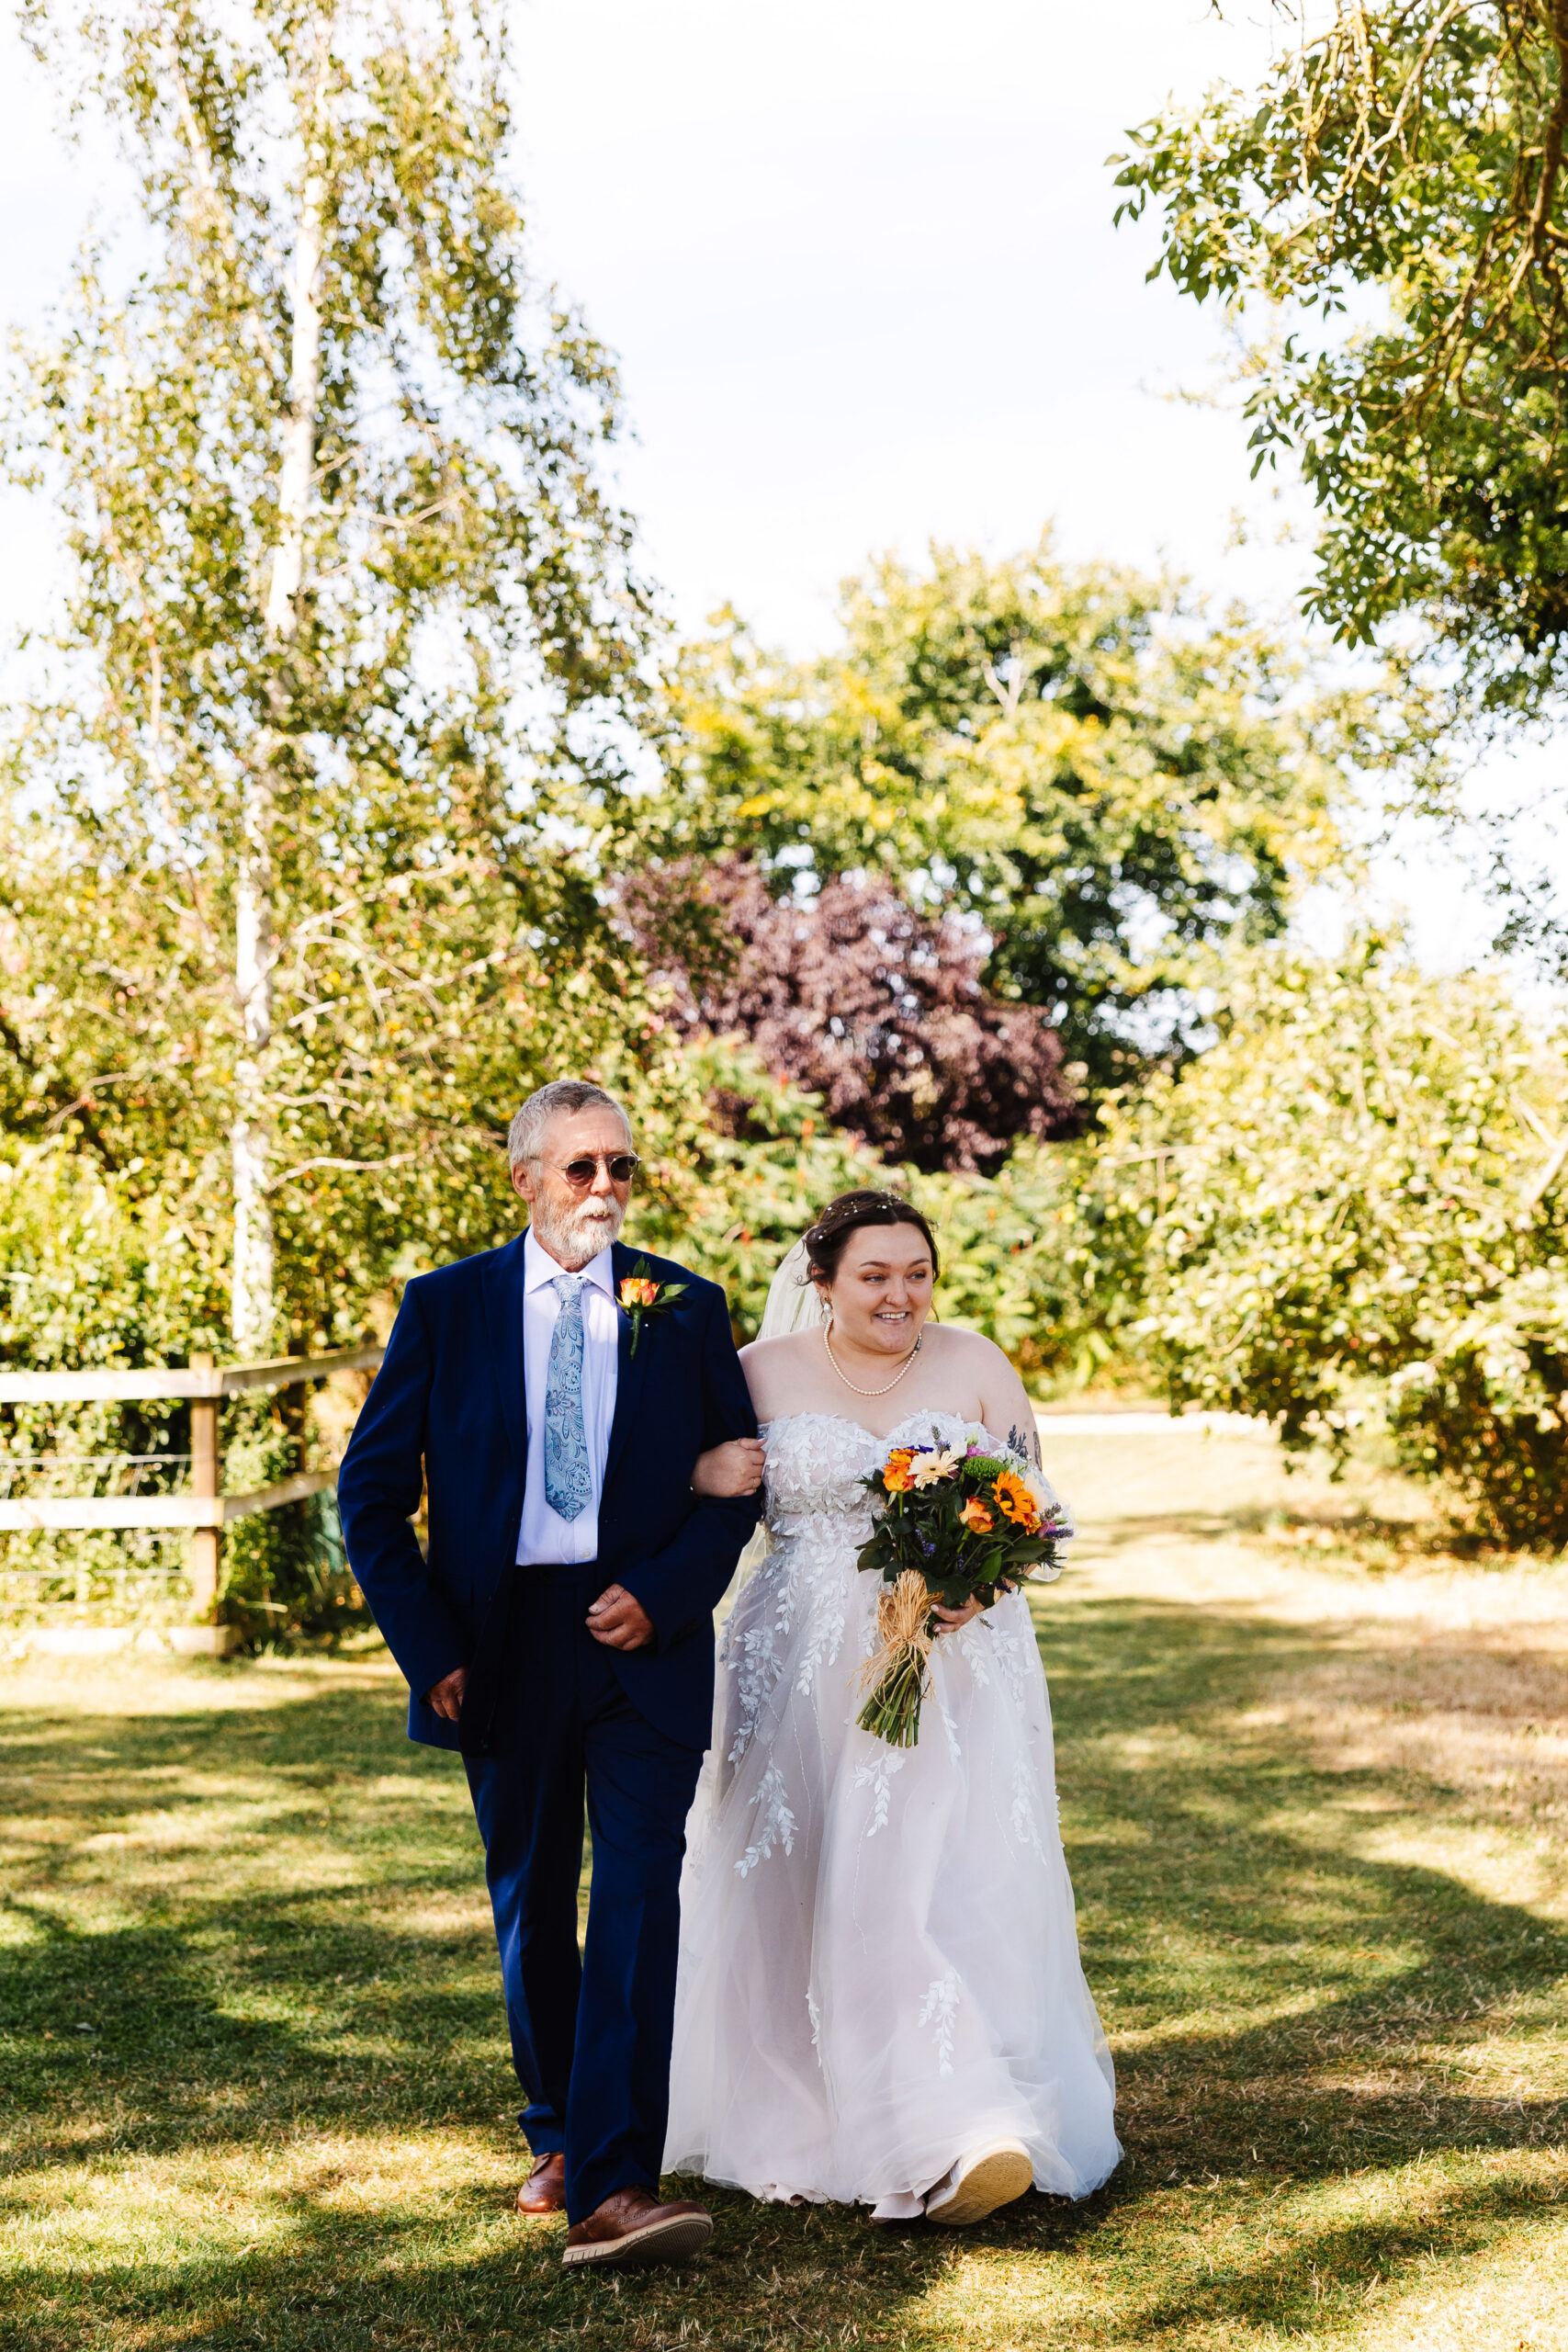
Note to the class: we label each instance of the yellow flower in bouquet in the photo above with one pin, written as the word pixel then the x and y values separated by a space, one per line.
pixel 1016 1501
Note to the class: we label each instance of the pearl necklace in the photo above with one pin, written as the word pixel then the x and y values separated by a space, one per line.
pixel 850 1383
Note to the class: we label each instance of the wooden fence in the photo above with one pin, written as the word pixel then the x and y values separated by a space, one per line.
pixel 206 1510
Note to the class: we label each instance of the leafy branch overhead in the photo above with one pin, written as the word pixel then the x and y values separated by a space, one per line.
pixel 1395 194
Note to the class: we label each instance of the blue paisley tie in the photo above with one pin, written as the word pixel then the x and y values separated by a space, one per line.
pixel 568 1484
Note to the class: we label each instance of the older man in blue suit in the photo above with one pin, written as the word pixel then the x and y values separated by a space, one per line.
pixel 558 1632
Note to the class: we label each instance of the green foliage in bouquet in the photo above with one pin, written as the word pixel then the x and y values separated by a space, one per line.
pixel 954 1525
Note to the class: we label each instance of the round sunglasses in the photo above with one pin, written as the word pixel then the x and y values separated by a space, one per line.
pixel 579 1174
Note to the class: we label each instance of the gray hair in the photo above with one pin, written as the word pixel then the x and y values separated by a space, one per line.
pixel 569 1095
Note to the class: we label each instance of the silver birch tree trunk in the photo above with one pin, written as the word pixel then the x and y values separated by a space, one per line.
pixel 253 1311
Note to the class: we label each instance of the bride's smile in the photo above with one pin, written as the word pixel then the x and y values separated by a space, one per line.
pixel 881 1293
pixel 875 1303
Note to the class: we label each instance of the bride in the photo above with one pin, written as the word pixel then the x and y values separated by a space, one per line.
pixel 880 1998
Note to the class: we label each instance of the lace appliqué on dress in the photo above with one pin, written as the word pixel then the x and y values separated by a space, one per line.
pixel 750 1655
pixel 875 1773
pixel 826 1621
pixel 973 1642
pixel 1007 1649
pixel 775 1821
pixel 940 2010
pixel 1025 1820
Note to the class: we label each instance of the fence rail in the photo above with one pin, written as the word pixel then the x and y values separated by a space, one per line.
pixel 194 1380
pixel 204 1510
pixel 99 1511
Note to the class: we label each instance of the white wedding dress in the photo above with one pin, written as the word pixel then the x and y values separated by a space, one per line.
pixel 879 1966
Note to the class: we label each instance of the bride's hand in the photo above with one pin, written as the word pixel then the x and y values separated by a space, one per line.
pixel 950 1620
pixel 734 1469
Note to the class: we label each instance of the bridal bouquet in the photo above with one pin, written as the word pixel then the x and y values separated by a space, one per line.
pixel 952 1525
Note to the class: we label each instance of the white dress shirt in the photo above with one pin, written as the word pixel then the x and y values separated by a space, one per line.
pixel 545 1539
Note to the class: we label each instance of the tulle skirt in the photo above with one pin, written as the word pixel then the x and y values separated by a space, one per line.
pixel 879 1967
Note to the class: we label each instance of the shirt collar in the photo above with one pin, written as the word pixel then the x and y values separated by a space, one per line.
pixel 539 1268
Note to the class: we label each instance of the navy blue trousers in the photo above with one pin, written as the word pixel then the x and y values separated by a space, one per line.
pixel 590 2036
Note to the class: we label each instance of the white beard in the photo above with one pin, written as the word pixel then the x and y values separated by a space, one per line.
pixel 574 1238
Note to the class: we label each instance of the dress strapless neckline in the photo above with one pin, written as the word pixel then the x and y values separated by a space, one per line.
pixel 848 1421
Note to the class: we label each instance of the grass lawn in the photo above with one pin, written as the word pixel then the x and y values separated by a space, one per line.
pixel 1313 1788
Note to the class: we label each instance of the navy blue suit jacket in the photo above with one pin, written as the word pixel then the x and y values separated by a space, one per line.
pixel 448 1403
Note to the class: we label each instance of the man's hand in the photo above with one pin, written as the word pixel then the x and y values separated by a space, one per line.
pixel 619 1622
pixel 446 1696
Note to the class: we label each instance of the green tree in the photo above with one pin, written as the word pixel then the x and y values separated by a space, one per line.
pixel 1388 214
pixel 304 819
pixel 1106 780
pixel 1355 1208
pixel 1046 1258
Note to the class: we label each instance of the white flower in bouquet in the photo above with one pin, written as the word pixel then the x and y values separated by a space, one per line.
pixel 929 1469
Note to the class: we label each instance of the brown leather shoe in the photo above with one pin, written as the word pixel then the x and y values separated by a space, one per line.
pixel 632 2228
pixel 544 2191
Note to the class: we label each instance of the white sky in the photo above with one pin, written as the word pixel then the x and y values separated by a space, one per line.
pixel 857 259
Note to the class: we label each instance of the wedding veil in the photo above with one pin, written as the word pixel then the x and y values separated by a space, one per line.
pixel 792 1302
pixel 792 1305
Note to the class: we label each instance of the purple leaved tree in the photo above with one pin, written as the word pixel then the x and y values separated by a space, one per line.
pixel 857 995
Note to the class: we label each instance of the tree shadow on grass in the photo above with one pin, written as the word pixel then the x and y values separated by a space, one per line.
pixel 1291 2010
pixel 1317 1534
pixel 274 1865
pixel 343 2280
pixel 1325 2271
pixel 1221 1868
pixel 1125 2270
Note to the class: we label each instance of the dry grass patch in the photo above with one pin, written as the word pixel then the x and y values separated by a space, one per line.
pixel 1484 1717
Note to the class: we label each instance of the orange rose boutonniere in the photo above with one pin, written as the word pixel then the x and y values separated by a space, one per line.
pixel 640 1296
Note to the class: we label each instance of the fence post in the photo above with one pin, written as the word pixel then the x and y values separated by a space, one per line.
pixel 204 1481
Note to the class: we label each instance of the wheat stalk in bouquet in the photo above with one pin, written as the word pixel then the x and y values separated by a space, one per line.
pixel 954 1524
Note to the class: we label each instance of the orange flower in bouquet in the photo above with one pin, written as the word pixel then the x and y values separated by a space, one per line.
pixel 896 1476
